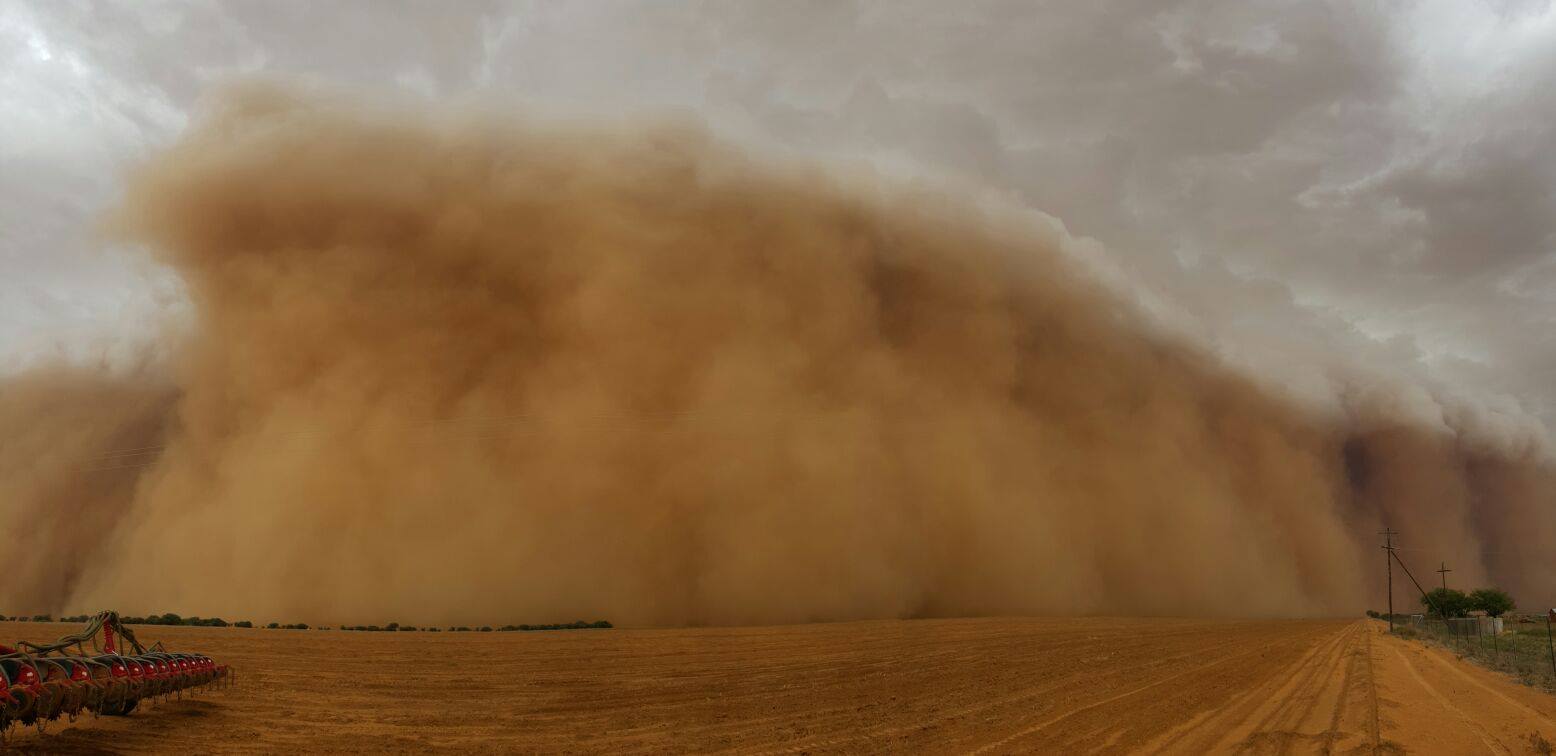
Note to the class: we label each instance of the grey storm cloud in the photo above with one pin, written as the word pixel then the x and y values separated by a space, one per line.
pixel 1292 181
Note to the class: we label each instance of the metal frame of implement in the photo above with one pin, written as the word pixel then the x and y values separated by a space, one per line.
pixel 40 683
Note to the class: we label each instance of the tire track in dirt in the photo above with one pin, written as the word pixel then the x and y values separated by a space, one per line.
pixel 1034 729
pixel 1129 654
pixel 1459 671
pixel 1457 706
pixel 1347 689
pixel 1327 708
pixel 1025 696
pixel 1321 702
pixel 1372 694
pixel 1135 660
pixel 1480 732
pixel 1297 700
pixel 1193 680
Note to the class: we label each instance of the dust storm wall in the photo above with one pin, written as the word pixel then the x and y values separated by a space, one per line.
pixel 452 369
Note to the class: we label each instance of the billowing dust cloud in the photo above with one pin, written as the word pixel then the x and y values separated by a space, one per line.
pixel 462 370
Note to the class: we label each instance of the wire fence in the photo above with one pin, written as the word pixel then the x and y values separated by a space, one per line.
pixel 1519 646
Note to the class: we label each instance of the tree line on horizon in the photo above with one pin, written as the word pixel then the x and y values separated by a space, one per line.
pixel 169 618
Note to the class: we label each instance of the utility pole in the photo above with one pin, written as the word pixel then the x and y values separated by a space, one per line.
pixel 1442 569
pixel 1425 599
pixel 1388 562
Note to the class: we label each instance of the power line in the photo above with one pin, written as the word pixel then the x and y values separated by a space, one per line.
pixel 1426 599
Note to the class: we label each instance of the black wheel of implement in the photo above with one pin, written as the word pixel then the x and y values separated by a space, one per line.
pixel 120 708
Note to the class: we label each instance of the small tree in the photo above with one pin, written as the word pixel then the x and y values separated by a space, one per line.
pixel 1493 601
pixel 1447 601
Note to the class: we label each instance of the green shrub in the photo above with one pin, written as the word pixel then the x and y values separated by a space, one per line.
pixel 1493 601
pixel 1447 601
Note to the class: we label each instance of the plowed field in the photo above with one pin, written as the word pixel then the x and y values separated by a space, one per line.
pixel 962 686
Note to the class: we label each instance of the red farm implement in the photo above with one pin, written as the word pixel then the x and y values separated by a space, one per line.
pixel 40 683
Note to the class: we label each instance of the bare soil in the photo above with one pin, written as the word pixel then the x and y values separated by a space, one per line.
pixel 938 686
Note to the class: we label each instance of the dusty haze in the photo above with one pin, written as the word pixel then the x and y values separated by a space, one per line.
pixel 455 369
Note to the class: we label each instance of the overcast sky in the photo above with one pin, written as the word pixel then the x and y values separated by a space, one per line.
pixel 1376 179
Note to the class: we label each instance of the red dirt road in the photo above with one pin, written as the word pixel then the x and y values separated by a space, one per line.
pixel 941 686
